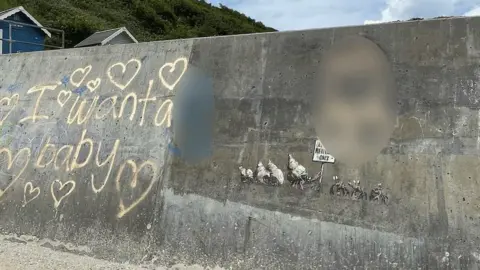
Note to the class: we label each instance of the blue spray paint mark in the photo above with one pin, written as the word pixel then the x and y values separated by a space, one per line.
pixel 174 149
pixel 13 87
pixel 80 90
pixel 23 113
pixel 65 80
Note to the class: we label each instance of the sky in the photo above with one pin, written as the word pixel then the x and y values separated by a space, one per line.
pixel 306 14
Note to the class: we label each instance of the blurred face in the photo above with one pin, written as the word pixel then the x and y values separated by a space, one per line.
pixel 193 115
pixel 355 109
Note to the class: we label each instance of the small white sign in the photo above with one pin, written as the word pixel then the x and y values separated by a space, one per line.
pixel 320 153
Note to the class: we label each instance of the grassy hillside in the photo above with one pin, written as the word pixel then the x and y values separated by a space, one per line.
pixel 148 20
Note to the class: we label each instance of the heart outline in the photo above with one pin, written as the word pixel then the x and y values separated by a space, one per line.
pixel 63 92
pixel 56 202
pixel 10 165
pixel 172 66
pixel 136 169
pixel 29 185
pixel 8 101
pixel 93 84
pixel 124 68
pixel 85 71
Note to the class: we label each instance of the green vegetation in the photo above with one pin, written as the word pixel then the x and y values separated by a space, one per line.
pixel 147 20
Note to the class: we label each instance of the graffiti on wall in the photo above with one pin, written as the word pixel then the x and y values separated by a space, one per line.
pixel 355 191
pixel 354 115
pixel 297 174
pixel 320 154
pixel 298 177
pixel 78 106
pixel 354 110
pixel 267 175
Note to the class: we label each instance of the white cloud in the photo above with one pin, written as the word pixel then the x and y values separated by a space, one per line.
pixel 473 12
pixel 407 9
pixel 305 14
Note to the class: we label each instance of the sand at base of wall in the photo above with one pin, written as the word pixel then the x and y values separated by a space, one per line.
pixel 29 256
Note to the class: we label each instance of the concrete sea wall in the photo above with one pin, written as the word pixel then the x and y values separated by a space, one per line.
pixel 132 152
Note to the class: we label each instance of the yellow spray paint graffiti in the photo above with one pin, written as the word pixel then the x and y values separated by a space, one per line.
pixel 109 99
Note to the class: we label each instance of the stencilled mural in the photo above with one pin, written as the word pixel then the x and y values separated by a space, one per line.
pixel 354 114
pixel 320 154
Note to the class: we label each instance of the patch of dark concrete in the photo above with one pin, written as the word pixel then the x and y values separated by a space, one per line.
pixel 15 240
pixel 63 248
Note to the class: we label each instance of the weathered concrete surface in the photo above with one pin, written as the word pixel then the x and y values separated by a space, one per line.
pixel 27 253
pixel 398 106
pixel 19 255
